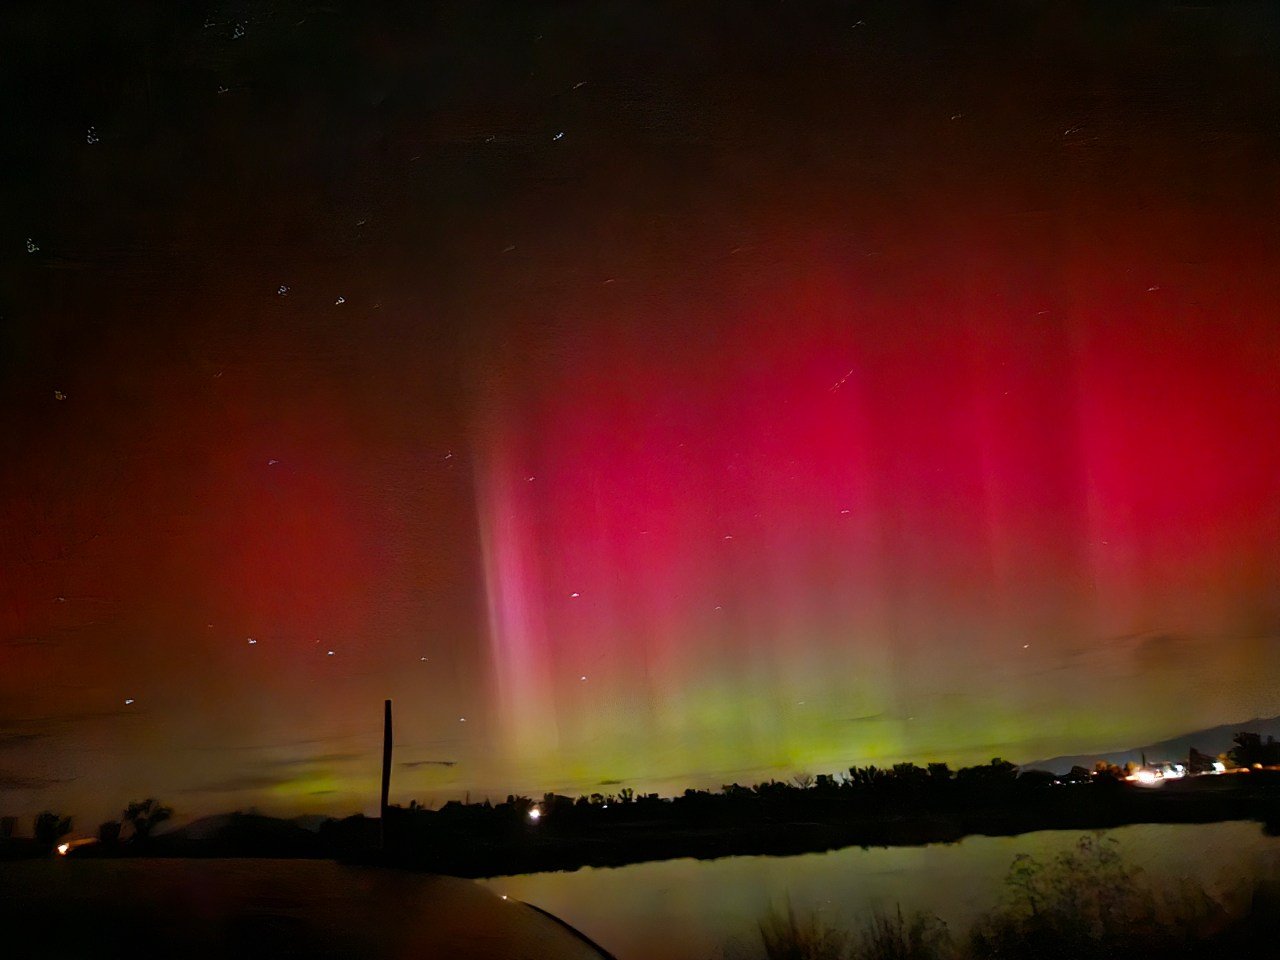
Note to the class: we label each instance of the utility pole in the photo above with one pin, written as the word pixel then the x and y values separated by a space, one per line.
pixel 386 773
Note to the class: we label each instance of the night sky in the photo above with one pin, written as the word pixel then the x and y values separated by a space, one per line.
pixel 644 393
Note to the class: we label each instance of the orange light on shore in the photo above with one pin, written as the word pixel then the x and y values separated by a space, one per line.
pixel 67 847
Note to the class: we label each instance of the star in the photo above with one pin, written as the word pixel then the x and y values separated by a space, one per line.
pixel 128 700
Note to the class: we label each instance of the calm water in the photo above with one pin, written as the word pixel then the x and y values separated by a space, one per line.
pixel 693 910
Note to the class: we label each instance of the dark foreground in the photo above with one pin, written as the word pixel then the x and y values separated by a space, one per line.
pixel 1084 902
pixel 142 908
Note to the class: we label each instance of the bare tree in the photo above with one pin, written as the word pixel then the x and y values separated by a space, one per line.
pixel 143 816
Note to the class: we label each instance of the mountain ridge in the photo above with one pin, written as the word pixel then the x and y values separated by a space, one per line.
pixel 1210 740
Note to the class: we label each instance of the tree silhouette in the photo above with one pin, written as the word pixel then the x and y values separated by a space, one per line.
pixel 996 772
pixel 49 827
pixel 144 816
pixel 1250 749
pixel 909 773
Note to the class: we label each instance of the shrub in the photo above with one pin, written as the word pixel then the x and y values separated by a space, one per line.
pixel 787 938
pixel 893 936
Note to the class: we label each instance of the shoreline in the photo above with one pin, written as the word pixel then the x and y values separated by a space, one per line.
pixel 485 841
pixel 648 843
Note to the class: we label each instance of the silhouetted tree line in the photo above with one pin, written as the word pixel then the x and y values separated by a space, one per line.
pixel 900 804
pixel 870 789
pixel 1250 750
pixel 904 803
pixel 140 817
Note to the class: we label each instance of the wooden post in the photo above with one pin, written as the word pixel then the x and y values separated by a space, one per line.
pixel 386 771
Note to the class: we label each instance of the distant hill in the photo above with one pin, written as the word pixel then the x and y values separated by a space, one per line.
pixel 311 821
pixel 207 828
pixel 204 828
pixel 239 834
pixel 1213 740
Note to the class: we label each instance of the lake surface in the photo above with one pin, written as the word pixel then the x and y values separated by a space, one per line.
pixel 694 910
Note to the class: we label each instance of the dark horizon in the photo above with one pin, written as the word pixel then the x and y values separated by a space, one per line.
pixel 1218 741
